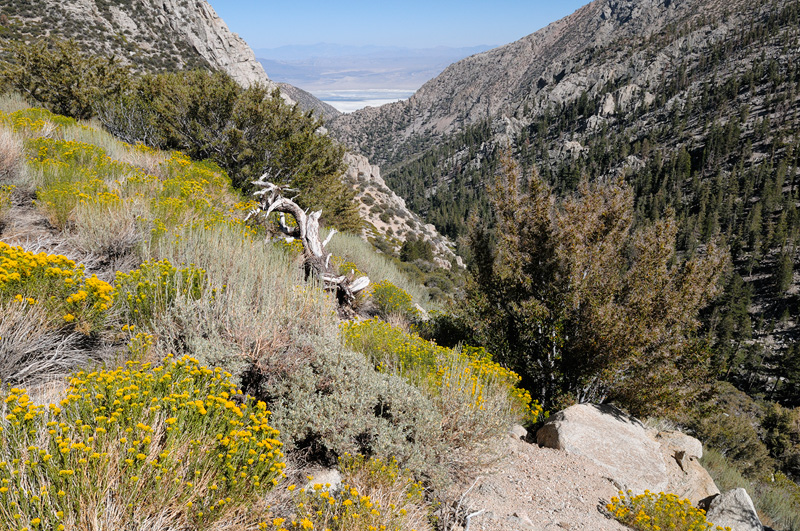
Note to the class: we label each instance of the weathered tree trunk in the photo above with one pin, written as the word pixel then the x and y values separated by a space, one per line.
pixel 315 260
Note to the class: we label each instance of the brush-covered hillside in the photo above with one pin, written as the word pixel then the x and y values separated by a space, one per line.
pixel 159 37
pixel 166 365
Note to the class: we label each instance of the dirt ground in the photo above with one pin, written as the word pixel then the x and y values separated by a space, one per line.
pixel 538 489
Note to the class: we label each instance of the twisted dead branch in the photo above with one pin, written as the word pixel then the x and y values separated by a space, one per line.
pixel 316 261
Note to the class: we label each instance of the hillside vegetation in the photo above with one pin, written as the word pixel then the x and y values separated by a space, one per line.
pixel 133 267
pixel 156 336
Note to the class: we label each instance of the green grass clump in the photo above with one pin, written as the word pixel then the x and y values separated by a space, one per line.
pixel 656 512
pixel 133 445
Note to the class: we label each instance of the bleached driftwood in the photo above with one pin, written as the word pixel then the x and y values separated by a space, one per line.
pixel 316 261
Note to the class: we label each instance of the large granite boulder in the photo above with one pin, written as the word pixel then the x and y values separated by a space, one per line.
pixel 734 509
pixel 615 441
pixel 634 457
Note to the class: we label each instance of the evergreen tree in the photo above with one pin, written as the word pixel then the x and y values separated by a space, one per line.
pixel 583 304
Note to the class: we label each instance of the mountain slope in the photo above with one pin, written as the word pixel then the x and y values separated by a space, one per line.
pixel 152 36
pixel 697 102
pixel 501 80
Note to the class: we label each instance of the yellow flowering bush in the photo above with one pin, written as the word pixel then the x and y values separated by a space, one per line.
pixel 375 495
pixel 35 120
pixel 72 173
pixel 347 267
pixel 659 512
pixel 149 290
pixel 56 282
pixel 176 440
pixel 470 373
pixel 393 300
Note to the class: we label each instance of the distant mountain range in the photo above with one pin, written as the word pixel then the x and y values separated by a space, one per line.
pixel 325 67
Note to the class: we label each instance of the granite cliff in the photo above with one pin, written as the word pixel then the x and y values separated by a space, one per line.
pixel 151 36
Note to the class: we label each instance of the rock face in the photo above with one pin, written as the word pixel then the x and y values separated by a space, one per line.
pixel 147 34
pixel 734 509
pixel 543 68
pixel 208 34
pixel 634 458
pixel 387 216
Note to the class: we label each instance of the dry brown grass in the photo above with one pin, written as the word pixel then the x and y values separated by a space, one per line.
pixel 108 229
pixel 31 348
pixel 11 156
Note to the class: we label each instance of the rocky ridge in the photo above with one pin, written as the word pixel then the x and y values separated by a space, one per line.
pixel 150 36
pixel 547 68
pixel 388 217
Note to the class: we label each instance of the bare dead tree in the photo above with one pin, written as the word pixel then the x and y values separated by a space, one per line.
pixel 316 261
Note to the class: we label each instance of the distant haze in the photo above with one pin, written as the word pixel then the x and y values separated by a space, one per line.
pixel 351 77
pixel 334 67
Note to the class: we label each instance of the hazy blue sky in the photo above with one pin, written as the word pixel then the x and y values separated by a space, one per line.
pixel 409 23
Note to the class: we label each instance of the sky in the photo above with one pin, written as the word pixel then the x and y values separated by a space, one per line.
pixel 407 23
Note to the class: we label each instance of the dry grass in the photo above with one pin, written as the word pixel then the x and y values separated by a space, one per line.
pixel 11 156
pixel 149 160
pixel 31 348
pixel 12 102
pixel 108 229
pixel 261 309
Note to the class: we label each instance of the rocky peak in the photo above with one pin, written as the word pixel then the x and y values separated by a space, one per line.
pixel 211 39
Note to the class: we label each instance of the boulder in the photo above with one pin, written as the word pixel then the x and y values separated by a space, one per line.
pixel 518 432
pixel 680 442
pixel 329 478
pixel 614 440
pixel 635 458
pixel 686 477
pixel 734 509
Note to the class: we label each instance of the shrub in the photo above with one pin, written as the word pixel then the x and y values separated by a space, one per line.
pixel 150 290
pixel 651 512
pixel 393 300
pixel 374 495
pixel 107 225
pixel 59 76
pixel 135 445
pixel 466 379
pixel 55 282
pixel 33 346
pixel 587 305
